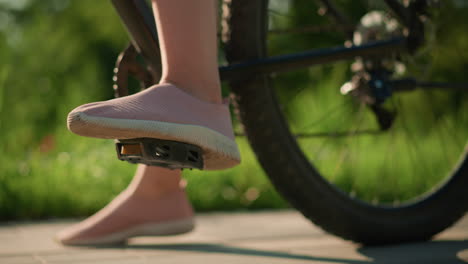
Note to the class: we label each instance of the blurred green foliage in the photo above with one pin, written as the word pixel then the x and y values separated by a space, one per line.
pixel 58 54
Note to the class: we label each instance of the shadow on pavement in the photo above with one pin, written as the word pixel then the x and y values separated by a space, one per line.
pixel 224 249
pixel 443 252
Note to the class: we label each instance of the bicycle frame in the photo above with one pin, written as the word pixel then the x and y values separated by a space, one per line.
pixel 139 22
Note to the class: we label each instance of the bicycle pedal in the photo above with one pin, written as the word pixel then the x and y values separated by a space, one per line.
pixel 162 153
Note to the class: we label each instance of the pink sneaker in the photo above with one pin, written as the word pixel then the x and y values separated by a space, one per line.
pixel 163 112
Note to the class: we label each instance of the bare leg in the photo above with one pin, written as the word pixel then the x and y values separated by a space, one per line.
pixel 150 181
pixel 155 196
pixel 189 46
pixel 189 92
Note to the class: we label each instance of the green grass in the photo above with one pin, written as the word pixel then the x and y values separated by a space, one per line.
pixel 63 175
pixel 47 70
pixel 74 176
pixel 52 173
pixel 421 149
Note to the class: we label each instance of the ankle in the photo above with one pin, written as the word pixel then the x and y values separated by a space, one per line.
pixel 175 201
pixel 152 182
pixel 155 192
pixel 205 91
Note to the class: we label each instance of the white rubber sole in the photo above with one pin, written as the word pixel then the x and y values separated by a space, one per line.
pixel 159 229
pixel 220 152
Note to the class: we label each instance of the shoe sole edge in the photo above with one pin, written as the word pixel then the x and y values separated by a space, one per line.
pixel 220 152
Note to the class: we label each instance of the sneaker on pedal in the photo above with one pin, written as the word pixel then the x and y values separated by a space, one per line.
pixel 163 112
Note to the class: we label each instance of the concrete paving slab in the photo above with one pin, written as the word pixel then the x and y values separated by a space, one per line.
pixel 250 237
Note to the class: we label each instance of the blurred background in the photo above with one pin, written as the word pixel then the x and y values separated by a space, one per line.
pixel 58 54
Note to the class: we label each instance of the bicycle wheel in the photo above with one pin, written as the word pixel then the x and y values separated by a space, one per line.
pixel 368 183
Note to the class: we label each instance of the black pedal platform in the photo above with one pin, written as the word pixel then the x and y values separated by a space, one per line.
pixel 162 153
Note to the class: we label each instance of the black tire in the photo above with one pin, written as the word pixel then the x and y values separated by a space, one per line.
pixel 295 177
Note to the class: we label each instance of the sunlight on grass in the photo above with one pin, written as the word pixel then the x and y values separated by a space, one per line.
pixel 47 70
pixel 415 155
pixel 72 176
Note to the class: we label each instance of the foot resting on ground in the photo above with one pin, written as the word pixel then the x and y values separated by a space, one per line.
pixel 131 214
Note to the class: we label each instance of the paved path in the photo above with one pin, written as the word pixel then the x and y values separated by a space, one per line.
pixel 260 237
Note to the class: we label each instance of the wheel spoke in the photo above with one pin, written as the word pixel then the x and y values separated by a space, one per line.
pixel 414 153
pixel 329 113
pixel 410 84
pixel 313 29
pixel 444 138
pixel 340 134
pixel 387 163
